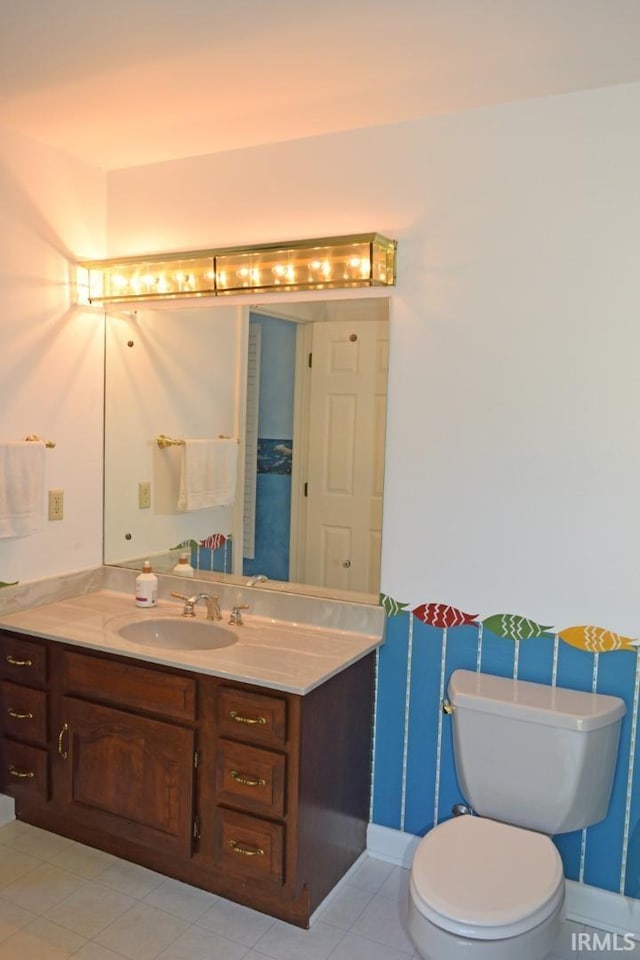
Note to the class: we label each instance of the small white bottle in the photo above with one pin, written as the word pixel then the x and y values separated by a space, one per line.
pixel 146 587
pixel 183 568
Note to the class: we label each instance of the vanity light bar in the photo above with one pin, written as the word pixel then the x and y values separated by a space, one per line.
pixel 361 260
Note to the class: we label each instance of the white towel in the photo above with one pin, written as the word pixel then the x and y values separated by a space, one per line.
pixel 207 474
pixel 21 487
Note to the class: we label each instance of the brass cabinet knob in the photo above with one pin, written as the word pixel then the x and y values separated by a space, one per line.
pixel 246 851
pixel 248 781
pixel 19 716
pixel 18 663
pixel 233 715
pixel 21 774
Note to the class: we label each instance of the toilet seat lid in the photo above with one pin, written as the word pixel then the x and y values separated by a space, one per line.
pixel 486 880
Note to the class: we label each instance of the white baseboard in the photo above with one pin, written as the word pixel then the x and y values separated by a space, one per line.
pixel 602 909
pixel 589 905
pixel 394 846
pixel 7 809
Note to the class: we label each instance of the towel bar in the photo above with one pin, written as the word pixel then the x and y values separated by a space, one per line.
pixel 164 441
pixel 34 437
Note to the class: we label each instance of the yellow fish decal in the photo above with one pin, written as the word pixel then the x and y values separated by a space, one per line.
pixel 596 639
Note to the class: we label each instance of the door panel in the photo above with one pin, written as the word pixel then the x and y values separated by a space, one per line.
pixel 347 415
pixel 129 774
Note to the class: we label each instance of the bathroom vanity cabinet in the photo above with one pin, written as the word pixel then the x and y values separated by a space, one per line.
pixel 258 795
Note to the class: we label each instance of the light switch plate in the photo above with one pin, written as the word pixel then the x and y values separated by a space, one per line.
pixel 144 495
pixel 56 504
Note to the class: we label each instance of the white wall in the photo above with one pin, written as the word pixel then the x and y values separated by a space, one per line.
pixel 177 357
pixel 512 450
pixel 52 210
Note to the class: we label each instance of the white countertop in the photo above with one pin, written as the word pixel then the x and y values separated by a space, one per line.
pixel 279 654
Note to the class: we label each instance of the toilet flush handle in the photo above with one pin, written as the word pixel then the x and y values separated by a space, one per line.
pixel 447 707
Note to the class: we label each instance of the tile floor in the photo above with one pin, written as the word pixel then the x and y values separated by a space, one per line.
pixel 60 899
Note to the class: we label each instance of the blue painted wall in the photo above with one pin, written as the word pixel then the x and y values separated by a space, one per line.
pixel 273 509
pixel 277 372
pixel 275 423
pixel 414 776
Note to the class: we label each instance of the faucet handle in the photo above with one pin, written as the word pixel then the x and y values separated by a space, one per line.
pixel 189 603
pixel 235 618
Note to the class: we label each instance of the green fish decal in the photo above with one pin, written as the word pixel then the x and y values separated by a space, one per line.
pixel 391 606
pixel 185 545
pixel 512 627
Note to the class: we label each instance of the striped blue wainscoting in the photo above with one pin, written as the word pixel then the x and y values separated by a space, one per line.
pixel 414 777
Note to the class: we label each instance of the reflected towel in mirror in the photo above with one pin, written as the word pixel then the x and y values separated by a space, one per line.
pixel 21 487
pixel 207 474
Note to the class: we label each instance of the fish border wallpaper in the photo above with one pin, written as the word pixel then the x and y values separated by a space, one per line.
pixel 414 781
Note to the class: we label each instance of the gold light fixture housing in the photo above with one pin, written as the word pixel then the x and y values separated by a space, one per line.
pixel 361 260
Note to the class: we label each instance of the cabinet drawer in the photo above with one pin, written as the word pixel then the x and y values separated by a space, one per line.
pixel 251 716
pixel 25 771
pixel 249 847
pixel 24 661
pixel 250 777
pixel 24 712
pixel 130 686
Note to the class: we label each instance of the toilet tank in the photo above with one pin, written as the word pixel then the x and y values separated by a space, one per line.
pixel 537 756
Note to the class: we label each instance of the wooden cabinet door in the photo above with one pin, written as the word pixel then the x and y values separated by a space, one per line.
pixel 129 775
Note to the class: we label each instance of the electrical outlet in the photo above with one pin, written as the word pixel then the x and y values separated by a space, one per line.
pixel 56 504
pixel 144 495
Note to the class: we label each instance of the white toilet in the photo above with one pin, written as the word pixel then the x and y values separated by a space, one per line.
pixel 532 761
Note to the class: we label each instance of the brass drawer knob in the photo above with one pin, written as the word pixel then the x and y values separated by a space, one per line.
pixel 19 716
pixel 21 774
pixel 18 663
pixel 246 851
pixel 248 781
pixel 233 715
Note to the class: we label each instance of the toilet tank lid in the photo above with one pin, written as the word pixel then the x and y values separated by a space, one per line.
pixel 533 702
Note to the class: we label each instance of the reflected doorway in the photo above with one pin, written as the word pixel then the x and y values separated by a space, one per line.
pixel 316 413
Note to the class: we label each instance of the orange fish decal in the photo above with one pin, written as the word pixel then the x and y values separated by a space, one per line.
pixel 596 639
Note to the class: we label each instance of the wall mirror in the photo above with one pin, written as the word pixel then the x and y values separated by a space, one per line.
pixel 302 388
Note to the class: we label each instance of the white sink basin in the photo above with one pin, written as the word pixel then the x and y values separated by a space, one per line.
pixel 178 633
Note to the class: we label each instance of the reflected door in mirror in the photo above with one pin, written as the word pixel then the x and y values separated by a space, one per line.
pixel 345 455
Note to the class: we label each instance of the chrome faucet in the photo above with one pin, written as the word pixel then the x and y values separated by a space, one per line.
pixel 213 607
pixel 256 579
pixel 235 618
